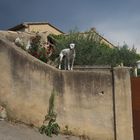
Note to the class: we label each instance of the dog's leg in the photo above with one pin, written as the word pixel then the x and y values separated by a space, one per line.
pixel 60 63
pixel 65 63
pixel 72 62
pixel 68 59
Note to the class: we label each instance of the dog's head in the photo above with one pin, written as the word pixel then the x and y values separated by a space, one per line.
pixel 72 46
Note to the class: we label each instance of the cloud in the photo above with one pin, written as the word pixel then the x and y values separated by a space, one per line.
pixel 118 21
pixel 122 31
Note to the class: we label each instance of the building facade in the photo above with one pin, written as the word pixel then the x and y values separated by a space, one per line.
pixel 37 27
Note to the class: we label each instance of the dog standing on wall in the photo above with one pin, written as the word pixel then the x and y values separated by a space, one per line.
pixel 68 55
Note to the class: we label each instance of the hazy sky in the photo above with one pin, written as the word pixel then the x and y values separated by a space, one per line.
pixel 117 20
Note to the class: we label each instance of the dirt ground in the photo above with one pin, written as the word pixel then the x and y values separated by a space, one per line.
pixel 12 131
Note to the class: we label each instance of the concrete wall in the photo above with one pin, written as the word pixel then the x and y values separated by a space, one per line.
pixel 95 103
pixel 123 104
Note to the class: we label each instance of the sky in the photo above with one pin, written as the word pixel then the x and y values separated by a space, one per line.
pixel 116 20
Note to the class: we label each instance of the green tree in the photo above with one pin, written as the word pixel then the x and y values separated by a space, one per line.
pixel 90 50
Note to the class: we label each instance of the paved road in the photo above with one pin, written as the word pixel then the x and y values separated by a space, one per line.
pixel 11 131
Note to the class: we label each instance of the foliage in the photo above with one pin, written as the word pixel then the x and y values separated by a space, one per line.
pixel 90 50
pixel 37 49
pixel 35 45
pixel 128 56
pixel 51 113
pixel 138 72
pixel 52 127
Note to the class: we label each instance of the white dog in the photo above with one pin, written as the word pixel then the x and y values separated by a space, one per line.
pixel 68 55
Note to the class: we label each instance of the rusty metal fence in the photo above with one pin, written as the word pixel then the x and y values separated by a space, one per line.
pixel 135 86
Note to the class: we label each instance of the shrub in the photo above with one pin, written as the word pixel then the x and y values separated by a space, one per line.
pixel 90 50
pixel 51 127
